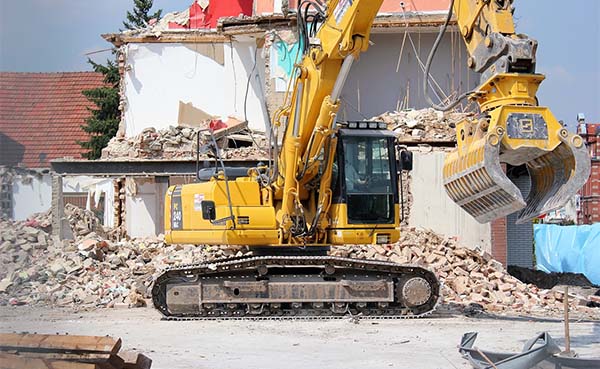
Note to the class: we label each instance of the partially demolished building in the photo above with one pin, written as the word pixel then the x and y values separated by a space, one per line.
pixel 228 64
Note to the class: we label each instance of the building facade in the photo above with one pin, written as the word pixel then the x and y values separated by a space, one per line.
pixel 589 196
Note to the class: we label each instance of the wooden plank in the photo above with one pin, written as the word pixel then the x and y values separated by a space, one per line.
pixel 104 360
pixel 37 342
pixel 9 361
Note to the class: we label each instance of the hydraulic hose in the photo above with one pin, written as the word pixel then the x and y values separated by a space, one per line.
pixel 434 48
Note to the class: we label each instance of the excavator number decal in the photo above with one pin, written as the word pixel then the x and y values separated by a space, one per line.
pixel 176 209
pixel 526 126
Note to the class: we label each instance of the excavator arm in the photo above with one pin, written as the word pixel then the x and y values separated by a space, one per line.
pixel 310 140
pixel 513 129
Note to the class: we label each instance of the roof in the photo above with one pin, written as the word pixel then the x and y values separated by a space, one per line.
pixel 258 25
pixel 41 116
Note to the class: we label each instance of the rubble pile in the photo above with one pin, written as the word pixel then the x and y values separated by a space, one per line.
pixel 94 271
pixel 175 142
pixel 82 222
pixel 423 125
pixel 89 271
pixel 468 276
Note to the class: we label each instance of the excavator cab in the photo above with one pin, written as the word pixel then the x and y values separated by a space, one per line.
pixel 368 184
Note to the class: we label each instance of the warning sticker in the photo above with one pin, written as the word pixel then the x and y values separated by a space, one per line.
pixel 341 9
pixel 198 198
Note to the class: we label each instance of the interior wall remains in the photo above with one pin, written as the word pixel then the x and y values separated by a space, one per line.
pixel 389 76
pixel 211 76
pixel 144 205
pixel 433 209
pixel 31 194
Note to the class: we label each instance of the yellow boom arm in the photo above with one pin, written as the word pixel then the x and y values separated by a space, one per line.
pixel 309 140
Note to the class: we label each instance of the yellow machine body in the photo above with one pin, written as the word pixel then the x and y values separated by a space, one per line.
pixel 254 218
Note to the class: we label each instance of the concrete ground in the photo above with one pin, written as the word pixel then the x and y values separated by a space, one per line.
pixel 428 343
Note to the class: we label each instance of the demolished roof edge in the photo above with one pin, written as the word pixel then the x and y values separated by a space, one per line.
pixel 231 26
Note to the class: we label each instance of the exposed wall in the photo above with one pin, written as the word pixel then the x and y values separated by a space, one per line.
pixel 519 237
pixel 384 78
pixel 433 209
pixel 243 71
pixel 211 76
pixel 389 76
pixel 145 206
pixel 31 194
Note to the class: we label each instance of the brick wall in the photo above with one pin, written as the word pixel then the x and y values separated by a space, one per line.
pixel 499 244
pixel 589 200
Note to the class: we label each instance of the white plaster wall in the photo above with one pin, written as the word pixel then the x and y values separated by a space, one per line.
pixel 32 194
pixel 244 74
pixel 383 76
pixel 160 75
pixel 433 209
pixel 144 207
pixel 79 183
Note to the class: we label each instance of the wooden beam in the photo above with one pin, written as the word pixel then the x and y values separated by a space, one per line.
pixel 10 361
pixel 35 342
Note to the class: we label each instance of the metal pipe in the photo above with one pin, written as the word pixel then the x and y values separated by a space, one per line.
pixel 198 156
pixel 297 108
pixel 341 78
pixel 401 195
pixel 566 318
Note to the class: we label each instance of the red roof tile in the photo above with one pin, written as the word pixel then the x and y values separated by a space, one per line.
pixel 41 116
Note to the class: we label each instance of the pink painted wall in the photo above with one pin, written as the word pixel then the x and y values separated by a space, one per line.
pixel 389 6
pixel 393 6
pixel 208 18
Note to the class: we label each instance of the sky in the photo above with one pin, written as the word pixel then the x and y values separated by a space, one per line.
pixel 55 35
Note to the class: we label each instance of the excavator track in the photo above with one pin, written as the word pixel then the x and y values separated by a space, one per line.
pixel 295 287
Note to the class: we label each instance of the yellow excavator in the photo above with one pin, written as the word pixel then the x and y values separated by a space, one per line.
pixel 336 183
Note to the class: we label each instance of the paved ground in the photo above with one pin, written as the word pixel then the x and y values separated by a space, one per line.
pixel 424 343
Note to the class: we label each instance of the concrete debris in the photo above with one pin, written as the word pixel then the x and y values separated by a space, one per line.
pixel 468 276
pixel 178 142
pixel 423 125
pixel 83 222
pixel 90 271
pixel 95 271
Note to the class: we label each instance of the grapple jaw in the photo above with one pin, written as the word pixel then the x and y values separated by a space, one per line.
pixel 556 176
pixel 476 180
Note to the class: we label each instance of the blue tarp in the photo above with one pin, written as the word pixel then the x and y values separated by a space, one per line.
pixel 574 249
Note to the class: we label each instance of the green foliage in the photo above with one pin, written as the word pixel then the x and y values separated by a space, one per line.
pixel 104 122
pixel 140 16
